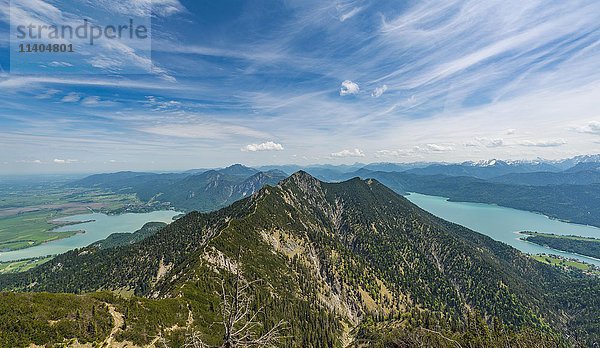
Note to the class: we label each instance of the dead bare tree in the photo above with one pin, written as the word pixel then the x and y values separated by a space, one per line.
pixel 240 322
pixel 194 340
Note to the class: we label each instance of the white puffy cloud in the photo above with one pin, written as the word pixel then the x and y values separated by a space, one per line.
pixel 64 161
pixel 348 88
pixel 379 91
pixel 268 146
pixel 416 151
pixel 96 101
pixel 591 128
pixel 159 104
pixel 48 94
pixel 71 98
pixel 90 101
pixel 544 143
pixel 494 142
pixel 394 153
pixel 434 148
pixel 36 161
pixel 348 153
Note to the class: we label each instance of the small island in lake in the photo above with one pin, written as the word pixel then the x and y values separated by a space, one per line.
pixel 574 244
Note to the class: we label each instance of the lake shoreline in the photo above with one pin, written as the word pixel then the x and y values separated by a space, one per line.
pixel 533 234
pixel 505 206
pixel 502 223
pixel 91 228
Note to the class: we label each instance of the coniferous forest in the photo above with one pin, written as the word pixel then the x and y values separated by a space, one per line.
pixel 320 265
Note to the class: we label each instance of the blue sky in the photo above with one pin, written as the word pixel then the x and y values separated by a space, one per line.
pixel 268 82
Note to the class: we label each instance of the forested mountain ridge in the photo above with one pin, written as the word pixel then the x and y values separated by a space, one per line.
pixel 120 239
pixel 574 203
pixel 342 262
pixel 582 177
pixel 204 191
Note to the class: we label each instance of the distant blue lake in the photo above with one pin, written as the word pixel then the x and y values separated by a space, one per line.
pixel 503 224
pixel 101 227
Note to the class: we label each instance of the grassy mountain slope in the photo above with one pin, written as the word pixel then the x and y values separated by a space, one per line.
pixel 337 262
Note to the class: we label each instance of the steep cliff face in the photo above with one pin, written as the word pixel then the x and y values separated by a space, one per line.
pixel 342 262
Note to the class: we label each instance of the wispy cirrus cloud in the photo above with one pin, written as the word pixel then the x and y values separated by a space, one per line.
pixel 163 8
pixel 60 64
pixel 353 12
pixel 108 55
pixel 463 72
pixel 203 130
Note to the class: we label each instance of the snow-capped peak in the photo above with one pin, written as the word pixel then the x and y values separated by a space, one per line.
pixel 485 163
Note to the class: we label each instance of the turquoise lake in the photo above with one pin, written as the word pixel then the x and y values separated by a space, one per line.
pixel 101 227
pixel 500 223
pixel 503 224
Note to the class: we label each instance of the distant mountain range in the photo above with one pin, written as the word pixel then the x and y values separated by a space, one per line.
pixel 485 169
pixel 571 162
pixel 350 263
pixel 571 194
pixel 203 191
pixel 493 168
